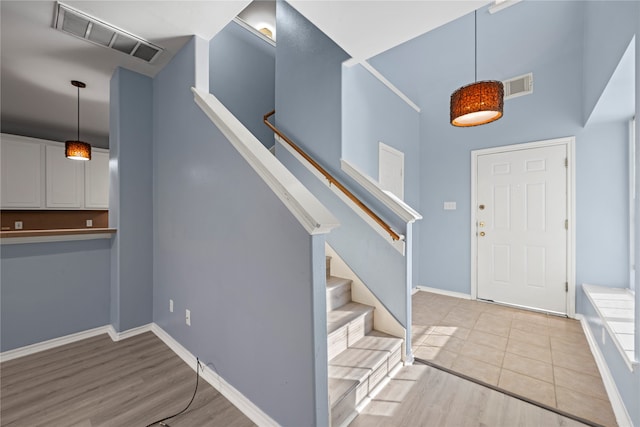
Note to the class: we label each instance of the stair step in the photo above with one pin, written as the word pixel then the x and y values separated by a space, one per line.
pixel 365 363
pixel 346 325
pixel 338 292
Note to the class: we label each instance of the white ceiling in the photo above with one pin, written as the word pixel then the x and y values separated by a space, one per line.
pixel 37 62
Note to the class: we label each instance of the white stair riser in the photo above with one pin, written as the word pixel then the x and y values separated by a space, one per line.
pixel 338 296
pixel 343 409
pixel 342 337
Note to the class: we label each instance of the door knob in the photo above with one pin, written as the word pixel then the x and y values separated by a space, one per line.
pixel 481 207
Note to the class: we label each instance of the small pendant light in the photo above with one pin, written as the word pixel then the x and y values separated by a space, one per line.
pixel 77 150
pixel 480 102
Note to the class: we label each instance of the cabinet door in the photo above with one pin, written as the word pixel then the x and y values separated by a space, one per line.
pixel 96 181
pixel 64 179
pixel 21 173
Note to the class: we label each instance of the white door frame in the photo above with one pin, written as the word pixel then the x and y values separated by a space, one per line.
pixel 569 142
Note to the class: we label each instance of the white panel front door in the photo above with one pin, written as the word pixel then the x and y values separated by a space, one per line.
pixel 521 210
pixel 391 170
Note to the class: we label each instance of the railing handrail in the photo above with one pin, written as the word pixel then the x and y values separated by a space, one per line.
pixel 332 181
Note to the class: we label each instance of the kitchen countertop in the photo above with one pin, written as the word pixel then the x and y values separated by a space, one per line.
pixel 57 235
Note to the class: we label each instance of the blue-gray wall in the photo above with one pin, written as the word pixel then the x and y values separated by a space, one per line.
pixel 227 249
pixel 50 290
pixel 130 199
pixel 242 77
pixel 443 60
pixel 308 110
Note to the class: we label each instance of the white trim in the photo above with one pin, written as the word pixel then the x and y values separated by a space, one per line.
pixel 58 238
pixel 244 24
pixel 588 289
pixel 375 73
pixel 444 292
pixel 52 343
pixel 620 411
pixel 311 214
pixel 569 142
pixel 240 401
pixel 399 207
pixel 399 245
pixel 498 6
pixel 382 147
pixel 414 291
pixel 118 336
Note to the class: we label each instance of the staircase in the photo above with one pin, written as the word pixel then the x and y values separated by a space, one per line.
pixel 360 358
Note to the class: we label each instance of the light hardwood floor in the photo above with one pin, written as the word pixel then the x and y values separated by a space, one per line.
pixel 420 395
pixel 96 382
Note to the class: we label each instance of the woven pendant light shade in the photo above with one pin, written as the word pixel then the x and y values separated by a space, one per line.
pixel 477 103
pixel 77 150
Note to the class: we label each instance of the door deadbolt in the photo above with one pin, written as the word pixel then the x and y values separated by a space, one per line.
pixel 481 224
pixel 482 234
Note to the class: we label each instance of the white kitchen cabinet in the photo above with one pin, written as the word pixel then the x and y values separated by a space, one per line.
pixel 22 173
pixel 96 180
pixel 64 179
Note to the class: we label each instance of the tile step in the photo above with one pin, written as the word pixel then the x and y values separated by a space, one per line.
pixel 356 371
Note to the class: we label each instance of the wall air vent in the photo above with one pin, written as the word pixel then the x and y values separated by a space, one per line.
pixel 79 24
pixel 518 86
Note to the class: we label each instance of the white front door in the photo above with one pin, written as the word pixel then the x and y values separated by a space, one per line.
pixel 521 214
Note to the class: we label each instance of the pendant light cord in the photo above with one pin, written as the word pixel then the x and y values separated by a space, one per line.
pixel 78 114
pixel 475 38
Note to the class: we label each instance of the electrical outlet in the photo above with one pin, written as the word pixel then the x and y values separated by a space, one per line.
pixel 188 317
pixel 18 225
pixel 89 223
pixel 171 306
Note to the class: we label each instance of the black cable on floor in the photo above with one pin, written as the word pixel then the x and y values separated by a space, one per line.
pixel 508 393
pixel 162 421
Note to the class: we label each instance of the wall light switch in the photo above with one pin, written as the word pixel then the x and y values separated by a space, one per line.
pixel 171 306
pixel 449 206
pixel 188 317
pixel 18 225
pixel 89 223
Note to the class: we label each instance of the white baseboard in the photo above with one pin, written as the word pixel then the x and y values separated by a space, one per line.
pixel 53 343
pixel 443 292
pixel 240 401
pixel 117 336
pixel 619 410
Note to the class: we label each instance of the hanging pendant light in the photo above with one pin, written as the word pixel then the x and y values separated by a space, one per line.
pixel 77 150
pixel 480 102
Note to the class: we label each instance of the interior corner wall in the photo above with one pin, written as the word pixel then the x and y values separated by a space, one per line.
pixel 130 199
pixel 242 77
pixel 227 249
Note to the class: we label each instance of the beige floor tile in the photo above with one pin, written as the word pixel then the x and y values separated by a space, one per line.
pixel 580 382
pixel 529 338
pixel 563 325
pixel 453 331
pixel 585 406
pixel 534 389
pixel 569 336
pixel 525 349
pixel 579 362
pixel 490 340
pixel 436 355
pixel 562 345
pixel 529 367
pixel 527 326
pixel 532 317
pixel 455 319
pixel 482 353
pixel 496 325
pixel 444 341
pixel 490 374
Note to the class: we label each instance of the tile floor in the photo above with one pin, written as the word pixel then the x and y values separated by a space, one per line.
pixel 542 357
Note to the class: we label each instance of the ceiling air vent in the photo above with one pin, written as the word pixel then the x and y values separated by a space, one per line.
pixel 79 24
pixel 518 86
